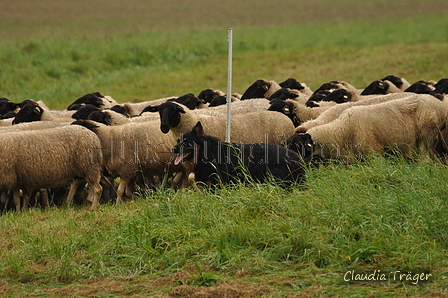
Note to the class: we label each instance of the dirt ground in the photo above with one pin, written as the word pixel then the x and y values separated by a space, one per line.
pixel 29 18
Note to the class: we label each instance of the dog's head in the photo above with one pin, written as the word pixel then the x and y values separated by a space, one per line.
pixel 188 145
pixel 302 143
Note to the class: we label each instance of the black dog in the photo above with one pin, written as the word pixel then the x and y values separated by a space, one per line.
pixel 220 162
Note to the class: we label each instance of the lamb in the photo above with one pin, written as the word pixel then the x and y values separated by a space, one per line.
pixel 132 149
pixel 404 124
pixel 333 112
pixel 255 127
pixel 58 156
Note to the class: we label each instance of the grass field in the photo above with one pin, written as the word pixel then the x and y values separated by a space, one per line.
pixel 384 218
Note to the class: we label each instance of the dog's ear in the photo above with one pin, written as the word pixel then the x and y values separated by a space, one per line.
pixel 198 130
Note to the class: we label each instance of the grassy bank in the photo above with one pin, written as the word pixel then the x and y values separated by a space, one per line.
pixel 387 215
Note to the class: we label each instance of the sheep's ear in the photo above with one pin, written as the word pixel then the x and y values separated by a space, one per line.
pixel 180 109
pixel 266 87
pixel 198 129
pixel 152 109
pixel 37 110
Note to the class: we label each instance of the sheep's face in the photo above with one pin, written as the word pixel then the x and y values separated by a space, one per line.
pixel 90 98
pixel 169 115
pixel 7 105
pixel 257 90
pixel 188 145
pixel 29 112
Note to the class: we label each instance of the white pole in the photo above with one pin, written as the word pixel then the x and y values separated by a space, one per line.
pixel 229 85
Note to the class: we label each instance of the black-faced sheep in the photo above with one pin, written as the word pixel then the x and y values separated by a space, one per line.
pixel 260 89
pixel 401 83
pixel 237 107
pixel 133 149
pixel 96 98
pixel 7 106
pixel 255 127
pixel 333 112
pixel 56 157
pixel 407 125
pixel 298 112
pixel 32 111
pixel 380 88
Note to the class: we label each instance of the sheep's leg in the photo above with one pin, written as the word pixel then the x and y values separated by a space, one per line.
pixel 129 190
pixel 16 197
pixel 94 194
pixel 121 189
pixel 72 192
pixel 44 196
pixel 26 198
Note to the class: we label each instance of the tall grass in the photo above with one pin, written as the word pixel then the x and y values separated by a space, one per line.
pixel 383 214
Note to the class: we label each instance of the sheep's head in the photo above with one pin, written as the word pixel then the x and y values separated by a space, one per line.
pixel 169 114
pixel 257 90
pixel 7 106
pixel 338 96
pixel 376 87
pixel 90 98
pixel 29 112
pixel 100 117
pixel 84 111
pixel 292 84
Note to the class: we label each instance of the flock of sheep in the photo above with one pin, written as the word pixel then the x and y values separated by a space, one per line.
pixel 80 152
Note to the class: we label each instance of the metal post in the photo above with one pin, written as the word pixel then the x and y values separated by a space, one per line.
pixel 229 84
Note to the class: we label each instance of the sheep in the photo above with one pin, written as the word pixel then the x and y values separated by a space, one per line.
pixel 132 149
pixel 136 108
pixel 298 112
pixel 332 85
pixel 421 87
pixel 31 111
pixel 57 156
pixel 222 100
pixel 110 117
pixel 332 113
pixel 405 124
pixel 237 107
pixel 400 83
pixel 260 88
pixel 96 98
pixel 255 127
pixel 207 95
pixel 380 87
pixel 7 106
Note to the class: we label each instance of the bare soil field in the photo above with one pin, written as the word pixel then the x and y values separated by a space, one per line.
pixel 29 18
